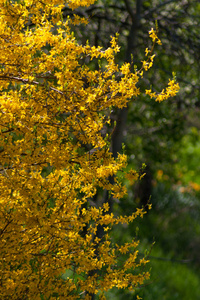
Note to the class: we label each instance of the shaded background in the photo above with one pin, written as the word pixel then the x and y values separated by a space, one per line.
pixel 164 136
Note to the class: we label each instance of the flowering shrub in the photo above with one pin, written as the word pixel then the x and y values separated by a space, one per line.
pixel 54 156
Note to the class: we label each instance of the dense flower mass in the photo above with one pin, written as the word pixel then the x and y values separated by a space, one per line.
pixel 54 112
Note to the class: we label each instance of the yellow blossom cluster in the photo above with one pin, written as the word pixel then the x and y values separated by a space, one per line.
pixel 154 37
pixel 170 91
pixel 54 157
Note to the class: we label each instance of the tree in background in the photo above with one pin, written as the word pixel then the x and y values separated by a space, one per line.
pixel 55 152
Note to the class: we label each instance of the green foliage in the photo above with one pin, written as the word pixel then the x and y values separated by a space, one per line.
pixel 170 280
pixel 173 223
pixel 188 160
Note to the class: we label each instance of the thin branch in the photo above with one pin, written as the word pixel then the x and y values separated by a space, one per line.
pixel 24 80
pixel 180 261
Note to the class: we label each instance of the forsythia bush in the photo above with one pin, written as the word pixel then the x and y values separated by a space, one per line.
pixel 55 129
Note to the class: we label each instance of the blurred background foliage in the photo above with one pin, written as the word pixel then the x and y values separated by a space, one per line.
pixel 166 137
